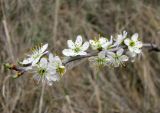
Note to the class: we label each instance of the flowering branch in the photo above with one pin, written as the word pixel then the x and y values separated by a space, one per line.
pixel 150 46
pixel 113 52
pixel 21 70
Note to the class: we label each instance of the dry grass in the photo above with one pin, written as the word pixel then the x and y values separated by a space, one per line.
pixel 131 89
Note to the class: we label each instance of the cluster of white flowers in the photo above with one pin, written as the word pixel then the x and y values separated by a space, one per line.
pixel 110 52
pixel 45 67
pixel 115 52
pixel 101 44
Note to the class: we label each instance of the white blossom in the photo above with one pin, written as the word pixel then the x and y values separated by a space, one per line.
pixel 120 38
pixel 97 44
pixel 108 44
pixel 77 48
pixel 117 58
pixel 100 44
pixel 49 70
pixel 55 63
pixel 100 60
pixel 134 45
pixel 35 56
pixel 44 72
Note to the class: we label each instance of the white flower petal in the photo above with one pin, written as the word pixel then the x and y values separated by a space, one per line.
pixel 120 52
pixel 131 49
pixel 110 58
pixel 43 48
pixel 26 61
pixel 57 60
pixel 85 46
pixel 55 77
pixel 28 68
pixel 102 40
pixel 139 44
pixel 78 41
pixel 119 38
pixel 134 37
pixel 101 54
pixel 54 60
pixel 35 61
pixel 35 56
pixel 82 53
pixel 111 39
pixel 52 71
pixel 107 44
pixel 123 58
pixel 107 59
pixel 68 52
pixel 110 54
pixel 131 54
pixel 127 41
pixel 70 43
pixel 43 62
pixel 52 66
pixel 51 57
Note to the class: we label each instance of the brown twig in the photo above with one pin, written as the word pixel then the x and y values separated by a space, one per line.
pixel 20 70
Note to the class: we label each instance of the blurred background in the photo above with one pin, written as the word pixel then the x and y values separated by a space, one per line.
pixel 134 88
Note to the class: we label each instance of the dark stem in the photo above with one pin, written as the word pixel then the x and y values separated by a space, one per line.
pixel 152 47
